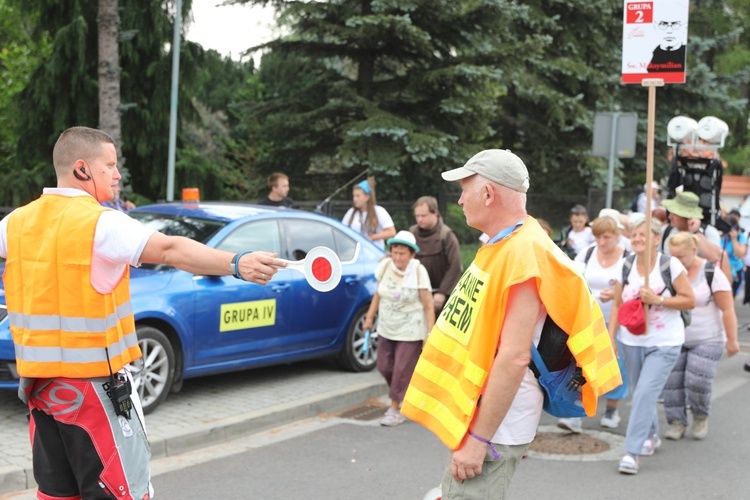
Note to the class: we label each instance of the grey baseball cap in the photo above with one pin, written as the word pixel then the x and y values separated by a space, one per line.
pixel 497 165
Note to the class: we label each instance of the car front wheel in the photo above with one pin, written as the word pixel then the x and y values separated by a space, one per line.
pixel 360 351
pixel 154 373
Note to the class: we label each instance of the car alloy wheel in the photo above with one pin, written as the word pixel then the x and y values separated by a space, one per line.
pixel 153 374
pixel 360 351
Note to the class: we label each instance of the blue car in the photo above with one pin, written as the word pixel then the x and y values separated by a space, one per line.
pixel 192 325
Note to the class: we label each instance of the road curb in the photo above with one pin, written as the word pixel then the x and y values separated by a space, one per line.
pixel 224 430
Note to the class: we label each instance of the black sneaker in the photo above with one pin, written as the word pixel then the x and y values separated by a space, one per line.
pixel 747 367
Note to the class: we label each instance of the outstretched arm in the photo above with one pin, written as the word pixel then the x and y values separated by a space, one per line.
pixel 193 257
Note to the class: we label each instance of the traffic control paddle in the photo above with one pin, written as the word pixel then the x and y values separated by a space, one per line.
pixel 321 267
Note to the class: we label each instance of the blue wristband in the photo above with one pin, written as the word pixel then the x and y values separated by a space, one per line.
pixel 234 265
pixel 487 441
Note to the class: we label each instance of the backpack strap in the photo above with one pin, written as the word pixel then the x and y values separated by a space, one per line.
pixel 627 265
pixel 710 268
pixel 665 235
pixel 666 273
pixel 538 361
pixel 385 268
pixel 588 255
pixel 444 230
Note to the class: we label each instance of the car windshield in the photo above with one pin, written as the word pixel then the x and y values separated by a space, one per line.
pixel 179 225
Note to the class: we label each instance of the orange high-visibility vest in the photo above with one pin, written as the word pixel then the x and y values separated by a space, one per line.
pixel 455 362
pixel 60 324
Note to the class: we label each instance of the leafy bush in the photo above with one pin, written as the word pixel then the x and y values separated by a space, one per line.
pixel 454 217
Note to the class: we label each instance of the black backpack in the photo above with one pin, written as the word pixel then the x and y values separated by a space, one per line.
pixel 563 242
pixel 666 275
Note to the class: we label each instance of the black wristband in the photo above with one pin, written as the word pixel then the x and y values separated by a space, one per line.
pixel 234 265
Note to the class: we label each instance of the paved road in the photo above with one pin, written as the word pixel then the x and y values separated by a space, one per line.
pixel 218 410
pixel 332 458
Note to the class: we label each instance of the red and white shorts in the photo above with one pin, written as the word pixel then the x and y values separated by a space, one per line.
pixel 81 448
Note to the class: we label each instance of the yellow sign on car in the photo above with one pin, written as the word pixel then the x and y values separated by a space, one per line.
pixel 243 315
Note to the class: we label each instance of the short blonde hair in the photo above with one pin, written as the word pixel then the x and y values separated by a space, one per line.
pixel 684 239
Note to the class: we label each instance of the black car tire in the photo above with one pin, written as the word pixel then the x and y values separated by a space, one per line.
pixel 154 380
pixel 352 357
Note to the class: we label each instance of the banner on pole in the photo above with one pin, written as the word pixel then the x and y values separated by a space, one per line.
pixel 654 40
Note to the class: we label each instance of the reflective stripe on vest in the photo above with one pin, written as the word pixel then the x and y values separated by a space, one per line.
pixel 455 362
pixel 49 322
pixel 76 355
pixel 61 325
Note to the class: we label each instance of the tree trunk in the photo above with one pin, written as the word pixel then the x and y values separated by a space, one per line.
pixel 109 71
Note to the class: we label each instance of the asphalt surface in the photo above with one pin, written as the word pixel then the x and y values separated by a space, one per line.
pixel 333 458
pixel 221 410
pixel 210 410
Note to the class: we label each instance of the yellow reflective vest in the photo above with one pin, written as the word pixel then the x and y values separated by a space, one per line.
pixel 455 362
pixel 60 324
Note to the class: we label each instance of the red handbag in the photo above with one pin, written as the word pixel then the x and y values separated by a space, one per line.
pixel 631 316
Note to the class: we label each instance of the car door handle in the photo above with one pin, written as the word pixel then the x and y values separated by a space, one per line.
pixel 280 287
pixel 351 281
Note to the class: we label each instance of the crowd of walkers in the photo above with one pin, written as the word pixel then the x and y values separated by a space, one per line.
pixel 669 355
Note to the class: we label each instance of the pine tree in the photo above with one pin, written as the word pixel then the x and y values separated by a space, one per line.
pixel 394 86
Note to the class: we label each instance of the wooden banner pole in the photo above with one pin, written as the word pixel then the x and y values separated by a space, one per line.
pixel 651 83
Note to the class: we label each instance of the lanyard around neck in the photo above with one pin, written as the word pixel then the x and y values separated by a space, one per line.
pixel 504 233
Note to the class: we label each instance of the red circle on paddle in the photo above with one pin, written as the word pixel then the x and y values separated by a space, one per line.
pixel 321 269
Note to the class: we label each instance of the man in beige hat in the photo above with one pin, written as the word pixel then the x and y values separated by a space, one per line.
pixel 685 214
pixel 481 342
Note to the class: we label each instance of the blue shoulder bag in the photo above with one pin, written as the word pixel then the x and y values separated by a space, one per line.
pixel 559 376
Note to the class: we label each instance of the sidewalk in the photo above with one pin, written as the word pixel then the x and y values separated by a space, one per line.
pixel 210 411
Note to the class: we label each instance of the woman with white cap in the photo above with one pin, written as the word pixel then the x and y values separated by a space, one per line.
pixel 367 217
pixel 655 198
pixel 405 316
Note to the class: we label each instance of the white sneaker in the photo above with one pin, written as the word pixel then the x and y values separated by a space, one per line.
pixel 650 445
pixel 392 418
pixel 628 465
pixel 571 424
pixel 610 420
